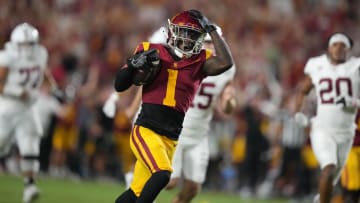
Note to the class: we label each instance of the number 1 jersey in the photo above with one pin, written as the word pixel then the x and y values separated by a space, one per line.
pixel 168 97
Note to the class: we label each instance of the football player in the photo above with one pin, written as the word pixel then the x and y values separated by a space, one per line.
pixel 127 115
pixel 350 177
pixel 192 153
pixel 22 65
pixel 173 74
pixel 335 78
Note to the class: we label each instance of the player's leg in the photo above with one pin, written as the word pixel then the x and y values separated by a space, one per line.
pixel 126 197
pixel 325 183
pixel 325 150
pixel 343 153
pixel 155 152
pixel 28 142
pixel 6 141
pixel 195 162
pixel 177 164
pixel 5 144
pixel 6 126
pixel 152 168
pixel 141 175
pixel 350 177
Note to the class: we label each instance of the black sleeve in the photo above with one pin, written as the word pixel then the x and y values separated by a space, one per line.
pixel 123 79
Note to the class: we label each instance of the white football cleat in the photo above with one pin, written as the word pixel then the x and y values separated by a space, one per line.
pixel 31 192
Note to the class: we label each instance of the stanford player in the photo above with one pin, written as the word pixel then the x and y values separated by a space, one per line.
pixel 22 66
pixel 335 78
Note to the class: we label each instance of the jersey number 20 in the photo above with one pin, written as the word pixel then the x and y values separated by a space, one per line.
pixel 329 84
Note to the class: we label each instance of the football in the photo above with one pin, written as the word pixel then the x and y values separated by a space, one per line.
pixel 145 75
pixel 140 77
pixel 147 72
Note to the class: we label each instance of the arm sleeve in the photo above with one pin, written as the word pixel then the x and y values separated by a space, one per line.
pixel 123 79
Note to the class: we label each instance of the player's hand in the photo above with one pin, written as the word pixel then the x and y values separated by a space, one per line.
pixel 153 57
pixel 203 20
pixel 349 104
pixel 142 59
pixel 137 61
pixel 109 107
pixel 301 119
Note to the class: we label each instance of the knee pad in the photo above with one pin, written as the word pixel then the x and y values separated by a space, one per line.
pixel 30 163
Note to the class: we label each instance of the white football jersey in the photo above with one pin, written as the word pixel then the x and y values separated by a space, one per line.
pixel 198 117
pixel 24 72
pixel 331 82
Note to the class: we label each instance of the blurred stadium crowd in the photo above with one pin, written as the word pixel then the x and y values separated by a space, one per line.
pixel 270 41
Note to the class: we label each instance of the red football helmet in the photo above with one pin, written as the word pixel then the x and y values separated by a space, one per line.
pixel 185 34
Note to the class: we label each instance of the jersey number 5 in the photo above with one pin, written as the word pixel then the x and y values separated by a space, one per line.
pixel 328 87
pixel 208 95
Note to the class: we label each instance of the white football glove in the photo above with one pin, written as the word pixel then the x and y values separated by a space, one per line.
pixel 109 107
pixel 301 119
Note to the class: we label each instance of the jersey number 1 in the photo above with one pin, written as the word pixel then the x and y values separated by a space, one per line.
pixel 169 99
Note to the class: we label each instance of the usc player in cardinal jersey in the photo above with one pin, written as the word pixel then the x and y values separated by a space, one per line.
pixel 183 64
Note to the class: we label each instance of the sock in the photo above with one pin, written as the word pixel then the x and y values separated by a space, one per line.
pixel 153 186
pixel 126 197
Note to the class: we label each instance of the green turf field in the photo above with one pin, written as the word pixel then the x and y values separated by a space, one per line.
pixel 66 191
